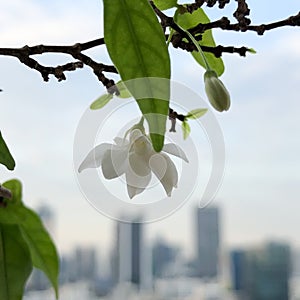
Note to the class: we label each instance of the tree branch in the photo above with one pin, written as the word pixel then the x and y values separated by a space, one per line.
pixel 225 24
pixel 210 3
pixel 178 40
pixel 240 14
pixel 24 53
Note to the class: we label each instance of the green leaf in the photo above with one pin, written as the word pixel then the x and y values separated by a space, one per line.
pixel 15 262
pixel 124 93
pixel 136 44
pixel 186 129
pixel 165 4
pixel 42 250
pixel 196 113
pixel 101 101
pixel 188 21
pixel 15 187
pixel 6 158
pixel 251 50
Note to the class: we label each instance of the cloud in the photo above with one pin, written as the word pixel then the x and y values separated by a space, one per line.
pixel 33 22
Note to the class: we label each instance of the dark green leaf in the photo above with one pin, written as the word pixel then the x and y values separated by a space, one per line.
pixel 6 158
pixel 186 129
pixel 188 21
pixel 43 252
pixel 101 101
pixel 165 4
pixel 42 249
pixel 127 23
pixel 15 262
pixel 7 215
pixel 196 113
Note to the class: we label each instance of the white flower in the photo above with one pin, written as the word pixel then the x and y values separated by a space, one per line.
pixel 136 159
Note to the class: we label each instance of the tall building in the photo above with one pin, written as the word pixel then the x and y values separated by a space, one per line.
pixel 136 253
pixel 84 264
pixel 208 239
pixel 162 256
pixel 238 269
pixel 130 259
pixel 262 274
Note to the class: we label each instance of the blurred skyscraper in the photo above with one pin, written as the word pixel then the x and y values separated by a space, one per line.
pixel 85 263
pixel 238 269
pixel 131 260
pixel 207 242
pixel 136 253
pixel 262 274
pixel 162 256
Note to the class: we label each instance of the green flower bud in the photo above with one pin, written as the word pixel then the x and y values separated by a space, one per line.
pixel 216 92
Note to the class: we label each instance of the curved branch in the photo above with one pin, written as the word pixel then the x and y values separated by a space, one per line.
pixel 178 40
pixel 24 55
pixel 217 51
pixel 58 71
pixel 225 24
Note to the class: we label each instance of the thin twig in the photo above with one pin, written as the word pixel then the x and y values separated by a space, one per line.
pixel 240 14
pixel 180 39
pixel 24 55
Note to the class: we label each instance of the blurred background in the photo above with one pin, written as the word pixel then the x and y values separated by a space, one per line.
pixel 246 245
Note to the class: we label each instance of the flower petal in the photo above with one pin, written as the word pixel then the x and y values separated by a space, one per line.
pixel 138 164
pixel 175 150
pixel 158 165
pixel 133 191
pixel 170 177
pixel 94 157
pixel 120 141
pixel 114 162
pixel 138 174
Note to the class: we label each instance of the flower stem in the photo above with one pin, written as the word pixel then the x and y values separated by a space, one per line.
pixel 208 68
pixel 139 125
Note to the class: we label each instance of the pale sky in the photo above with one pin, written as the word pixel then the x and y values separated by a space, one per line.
pixel 259 194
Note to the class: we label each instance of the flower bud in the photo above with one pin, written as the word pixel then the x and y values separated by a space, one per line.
pixel 216 92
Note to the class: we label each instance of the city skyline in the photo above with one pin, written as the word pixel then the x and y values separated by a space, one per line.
pixel 142 267
pixel 260 130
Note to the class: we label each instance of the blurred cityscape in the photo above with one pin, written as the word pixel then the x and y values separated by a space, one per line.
pixel 160 271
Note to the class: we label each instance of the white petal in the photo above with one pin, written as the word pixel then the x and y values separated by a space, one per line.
pixel 94 158
pixel 139 164
pixel 175 150
pixel 114 163
pixel 138 174
pixel 158 164
pixel 120 141
pixel 133 191
pixel 170 177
